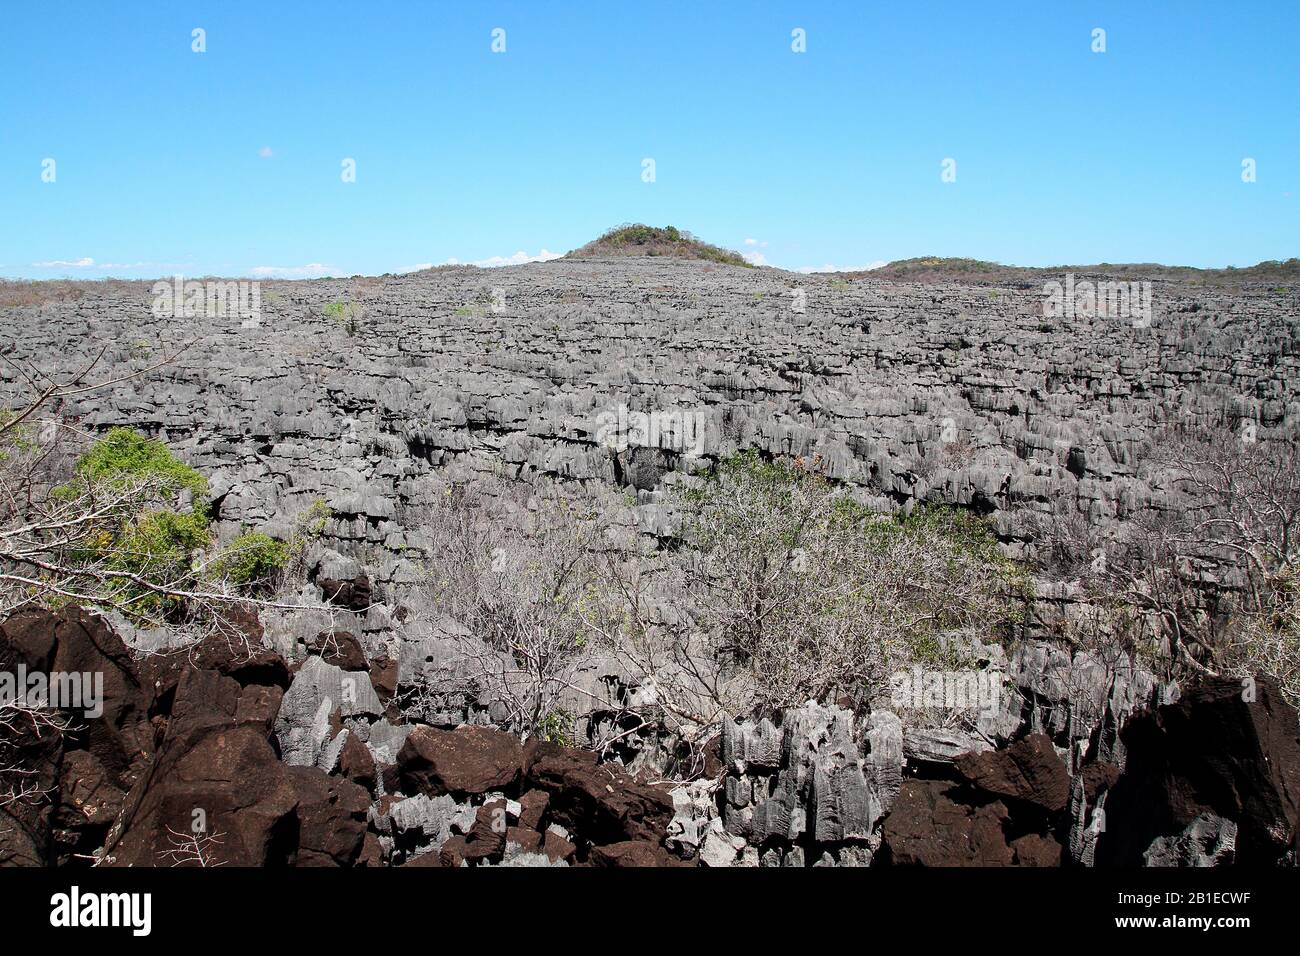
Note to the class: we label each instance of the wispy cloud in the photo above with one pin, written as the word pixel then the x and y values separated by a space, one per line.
pixel 137 266
pixel 266 152
pixel 879 263
pixel 88 262
pixel 313 270
pixel 518 259
pixel 753 256
pixel 84 263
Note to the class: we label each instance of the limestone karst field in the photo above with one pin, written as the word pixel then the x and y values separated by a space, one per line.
pixel 649 560
pixel 774 451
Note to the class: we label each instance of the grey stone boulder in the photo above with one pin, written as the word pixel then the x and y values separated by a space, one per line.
pixel 427 820
pixel 515 855
pixel 694 809
pixel 834 781
pixel 1207 841
pixel 940 744
pixel 318 691
pixel 722 849
pixel 751 745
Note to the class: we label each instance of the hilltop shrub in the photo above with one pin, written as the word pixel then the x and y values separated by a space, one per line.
pixel 640 239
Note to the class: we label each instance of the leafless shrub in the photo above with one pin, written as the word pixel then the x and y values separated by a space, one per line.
pixel 1269 642
pixel 520 570
pixel 815 597
pixel 22 720
pixel 193 849
pixel 782 591
pixel 1067 543
pixel 682 682
pixel 1216 567
pixel 1242 496
pixel 1243 492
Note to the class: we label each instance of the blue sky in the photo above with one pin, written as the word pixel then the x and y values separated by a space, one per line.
pixel 229 161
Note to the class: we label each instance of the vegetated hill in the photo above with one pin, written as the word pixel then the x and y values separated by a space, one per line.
pixel 935 268
pixel 637 239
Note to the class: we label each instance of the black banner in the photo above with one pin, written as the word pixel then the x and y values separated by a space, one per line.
pixel 331 906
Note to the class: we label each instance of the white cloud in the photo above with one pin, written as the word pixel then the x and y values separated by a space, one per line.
pixel 166 266
pixel 518 259
pixel 83 263
pixel 830 268
pixel 86 262
pixel 266 152
pixel 755 258
pixel 314 270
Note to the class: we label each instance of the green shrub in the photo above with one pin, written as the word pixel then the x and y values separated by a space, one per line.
pixel 253 558
pixel 556 728
pixel 125 454
pixel 310 525
pixel 19 438
pixel 159 543
pixel 147 536
pixel 346 314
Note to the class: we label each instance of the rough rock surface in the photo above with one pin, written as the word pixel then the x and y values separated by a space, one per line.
pixel 1227 749
pixel 88 771
pixel 599 800
pixel 319 692
pixel 1207 841
pixel 824 789
pixel 188 768
pixel 928 828
pixel 909 391
pixel 182 769
pixel 473 760
pixel 1028 770
pixel 180 766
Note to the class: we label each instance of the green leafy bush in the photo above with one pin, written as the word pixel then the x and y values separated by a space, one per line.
pixel 556 728
pixel 346 314
pixel 125 454
pixel 253 558
pixel 147 534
